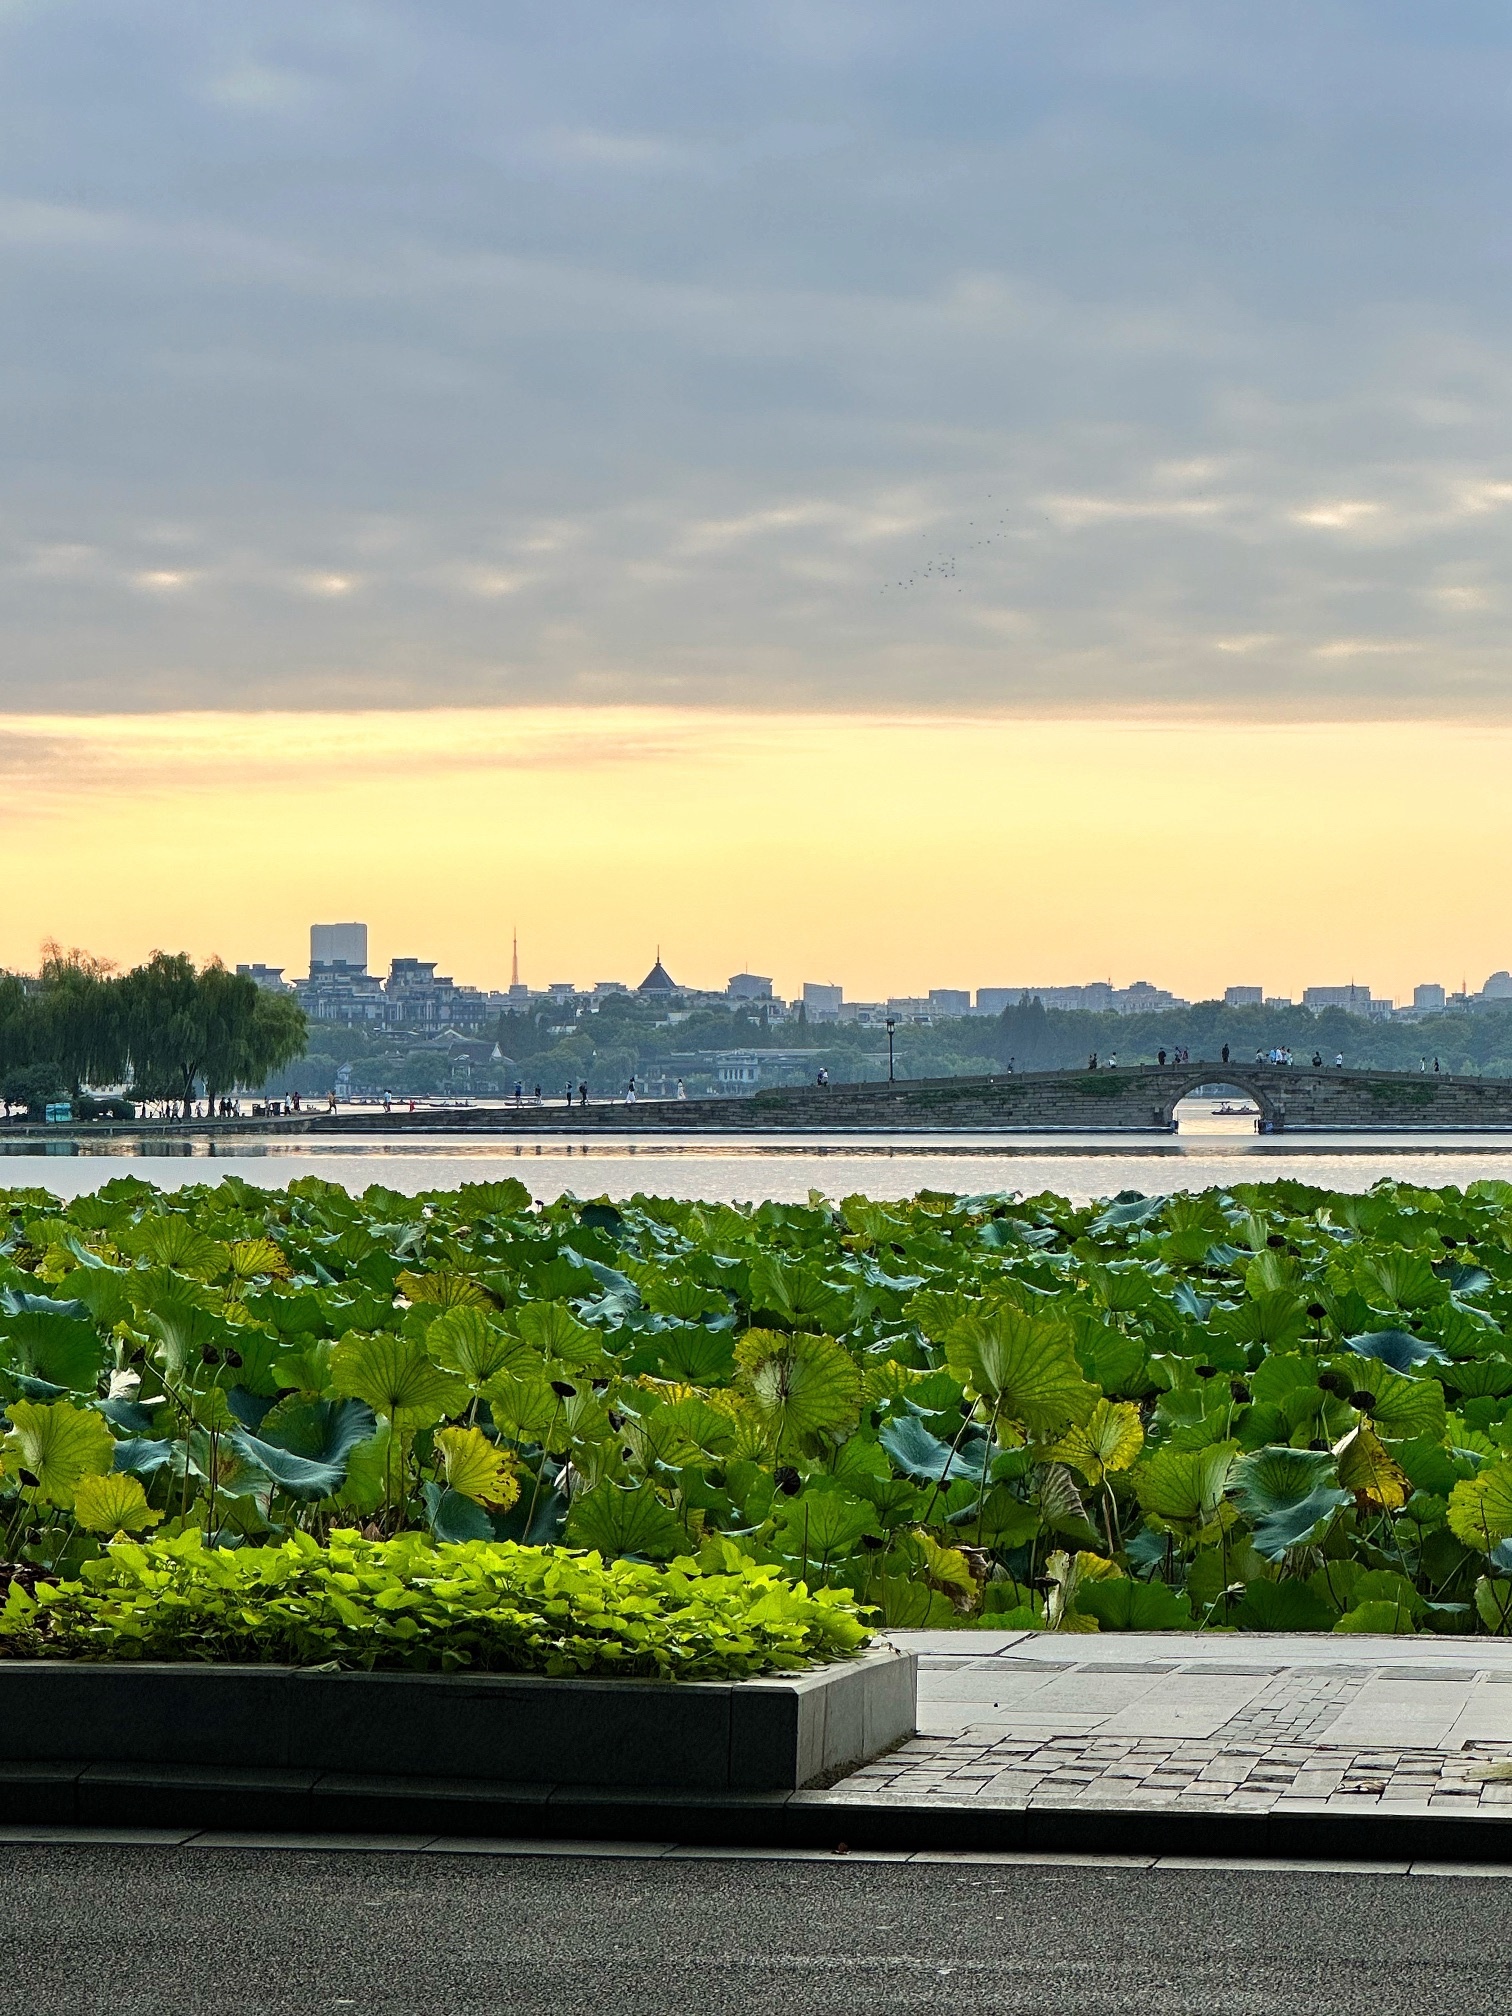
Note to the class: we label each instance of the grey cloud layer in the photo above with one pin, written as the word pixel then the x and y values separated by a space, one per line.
pixel 805 354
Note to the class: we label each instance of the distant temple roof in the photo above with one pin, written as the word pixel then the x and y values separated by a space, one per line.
pixel 658 980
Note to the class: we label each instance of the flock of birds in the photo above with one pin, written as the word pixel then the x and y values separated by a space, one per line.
pixel 943 567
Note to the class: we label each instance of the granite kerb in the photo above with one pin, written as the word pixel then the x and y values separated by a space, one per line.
pixel 778 1732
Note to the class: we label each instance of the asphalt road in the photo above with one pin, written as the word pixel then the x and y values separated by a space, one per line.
pixel 158 1931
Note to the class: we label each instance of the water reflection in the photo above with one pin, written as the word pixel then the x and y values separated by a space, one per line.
pixel 1208 1149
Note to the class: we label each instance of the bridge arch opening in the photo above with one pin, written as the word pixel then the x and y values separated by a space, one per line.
pixel 1219 1086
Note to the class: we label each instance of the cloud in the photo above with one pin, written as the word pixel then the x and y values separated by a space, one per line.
pixel 753 357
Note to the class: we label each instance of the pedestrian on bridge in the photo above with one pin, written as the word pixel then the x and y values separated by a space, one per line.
pixel 1339 1060
pixel 1225 1053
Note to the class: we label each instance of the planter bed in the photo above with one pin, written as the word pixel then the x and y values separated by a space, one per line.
pixel 114 1744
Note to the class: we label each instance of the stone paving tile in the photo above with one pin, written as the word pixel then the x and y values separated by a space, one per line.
pixel 1260 1738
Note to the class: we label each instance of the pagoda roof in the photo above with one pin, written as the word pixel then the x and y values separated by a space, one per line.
pixel 658 981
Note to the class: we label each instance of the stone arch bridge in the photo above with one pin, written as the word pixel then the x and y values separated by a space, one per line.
pixel 1128 1099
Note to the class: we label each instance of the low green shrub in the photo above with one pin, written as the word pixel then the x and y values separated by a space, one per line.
pixel 488 1606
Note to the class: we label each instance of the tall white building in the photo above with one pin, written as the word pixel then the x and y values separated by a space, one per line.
pixel 339 945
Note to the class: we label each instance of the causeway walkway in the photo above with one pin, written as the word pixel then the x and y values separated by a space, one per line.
pixel 1269 1724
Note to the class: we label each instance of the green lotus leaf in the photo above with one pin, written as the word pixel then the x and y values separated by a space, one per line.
pixel 466 1342
pixel 1183 1487
pixel 1404 1280
pixel 60 1349
pixel 699 1357
pixel 919 1454
pixel 1023 1367
pixel 1121 1605
pixel 1378 1619
pixel 523 1409
pixel 1402 1407
pixel 553 1330
pixel 800 1385
pixel 615 1521
pixel 1276 1377
pixel 1282 1606
pixel 307 1370
pixel 505 1197
pixel 686 1301
pixel 821 1526
pixel 797 1296
pixel 1287 1495
pixel 1484 1378
pixel 1275 1318
pixel 397 1378
pixel 175 1242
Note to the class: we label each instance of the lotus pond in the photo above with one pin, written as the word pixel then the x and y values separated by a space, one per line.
pixel 1264 1407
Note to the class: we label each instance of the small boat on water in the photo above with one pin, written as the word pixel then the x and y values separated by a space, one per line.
pixel 1227 1112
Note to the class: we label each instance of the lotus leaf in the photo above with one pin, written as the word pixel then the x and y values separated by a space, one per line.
pixel 397 1379
pixel 613 1521
pixel 1023 1367
pixel 113 1503
pixel 56 1445
pixel 1288 1496
pixel 799 1385
pixel 474 1468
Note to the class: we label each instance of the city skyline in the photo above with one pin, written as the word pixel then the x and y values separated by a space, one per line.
pixel 1186 854
pixel 828 484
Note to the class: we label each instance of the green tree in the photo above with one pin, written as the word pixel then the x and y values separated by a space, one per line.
pixel 79 1016
pixel 213 1025
pixel 31 1086
pixel 165 1032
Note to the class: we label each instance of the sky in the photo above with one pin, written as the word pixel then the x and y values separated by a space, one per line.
pixel 651 395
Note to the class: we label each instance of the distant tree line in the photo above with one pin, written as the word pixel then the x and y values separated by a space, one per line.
pixel 1478 1041
pixel 167 1026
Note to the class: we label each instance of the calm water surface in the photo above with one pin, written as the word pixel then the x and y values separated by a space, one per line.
pixel 1207 1150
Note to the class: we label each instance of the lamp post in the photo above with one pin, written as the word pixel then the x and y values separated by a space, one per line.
pixel 891 1025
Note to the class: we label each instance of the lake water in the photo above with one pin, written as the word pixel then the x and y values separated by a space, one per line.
pixel 1207 1150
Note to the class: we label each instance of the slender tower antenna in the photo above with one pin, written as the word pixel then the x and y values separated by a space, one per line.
pixel 514 968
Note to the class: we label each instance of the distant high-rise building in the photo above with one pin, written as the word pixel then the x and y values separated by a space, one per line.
pixel 1356 999
pixel 269 978
pixel 1430 997
pixel 749 987
pixel 820 998
pixel 1101 997
pixel 950 1000
pixel 1243 997
pixel 1498 987
pixel 339 945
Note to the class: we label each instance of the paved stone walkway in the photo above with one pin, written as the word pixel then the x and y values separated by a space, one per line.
pixel 1253 1724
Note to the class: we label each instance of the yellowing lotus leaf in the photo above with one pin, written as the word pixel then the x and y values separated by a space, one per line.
pixel 476 1469
pixel 113 1503
pixel 1110 1439
pixel 446 1289
pixel 51 1447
